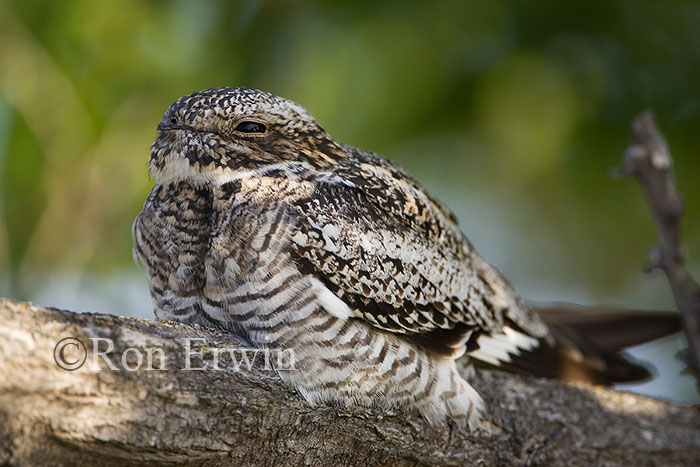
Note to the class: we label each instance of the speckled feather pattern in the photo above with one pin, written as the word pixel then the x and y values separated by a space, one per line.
pixel 296 241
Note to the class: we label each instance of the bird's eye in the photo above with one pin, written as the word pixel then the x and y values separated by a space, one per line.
pixel 251 127
pixel 173 120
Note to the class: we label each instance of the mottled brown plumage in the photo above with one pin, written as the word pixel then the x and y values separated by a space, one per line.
pixel 263 224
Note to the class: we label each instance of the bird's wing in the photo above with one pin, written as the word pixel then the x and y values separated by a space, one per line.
pixel 397 258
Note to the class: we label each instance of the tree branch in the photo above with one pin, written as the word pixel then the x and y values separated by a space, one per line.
pixel 649 160
pixel 50 416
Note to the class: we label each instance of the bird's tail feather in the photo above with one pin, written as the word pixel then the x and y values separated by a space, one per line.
pixel 588 343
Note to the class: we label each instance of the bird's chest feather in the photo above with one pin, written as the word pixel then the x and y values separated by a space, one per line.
pixel 172 236
pixel 204 246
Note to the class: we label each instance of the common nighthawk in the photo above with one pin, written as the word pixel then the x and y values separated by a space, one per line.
pixel 262 224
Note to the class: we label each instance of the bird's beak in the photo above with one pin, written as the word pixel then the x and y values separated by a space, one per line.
pixel 165 126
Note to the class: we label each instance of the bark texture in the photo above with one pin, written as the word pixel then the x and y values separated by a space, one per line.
pixel 106 417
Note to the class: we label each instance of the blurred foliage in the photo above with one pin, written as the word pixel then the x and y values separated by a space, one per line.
pixel 510 111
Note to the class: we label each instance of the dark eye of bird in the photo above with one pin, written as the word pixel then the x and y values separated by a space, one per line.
pixel 251 127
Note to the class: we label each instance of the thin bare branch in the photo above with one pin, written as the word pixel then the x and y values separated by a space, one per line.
pixel 649 160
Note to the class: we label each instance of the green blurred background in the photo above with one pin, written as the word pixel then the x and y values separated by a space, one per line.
pixel 511 112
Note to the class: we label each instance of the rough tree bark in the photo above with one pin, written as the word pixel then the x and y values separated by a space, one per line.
pixel 50 416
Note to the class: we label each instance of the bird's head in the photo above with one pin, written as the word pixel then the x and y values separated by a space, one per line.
pixel 223 134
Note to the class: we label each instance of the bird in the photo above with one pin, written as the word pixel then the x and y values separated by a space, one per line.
pixel 262 224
